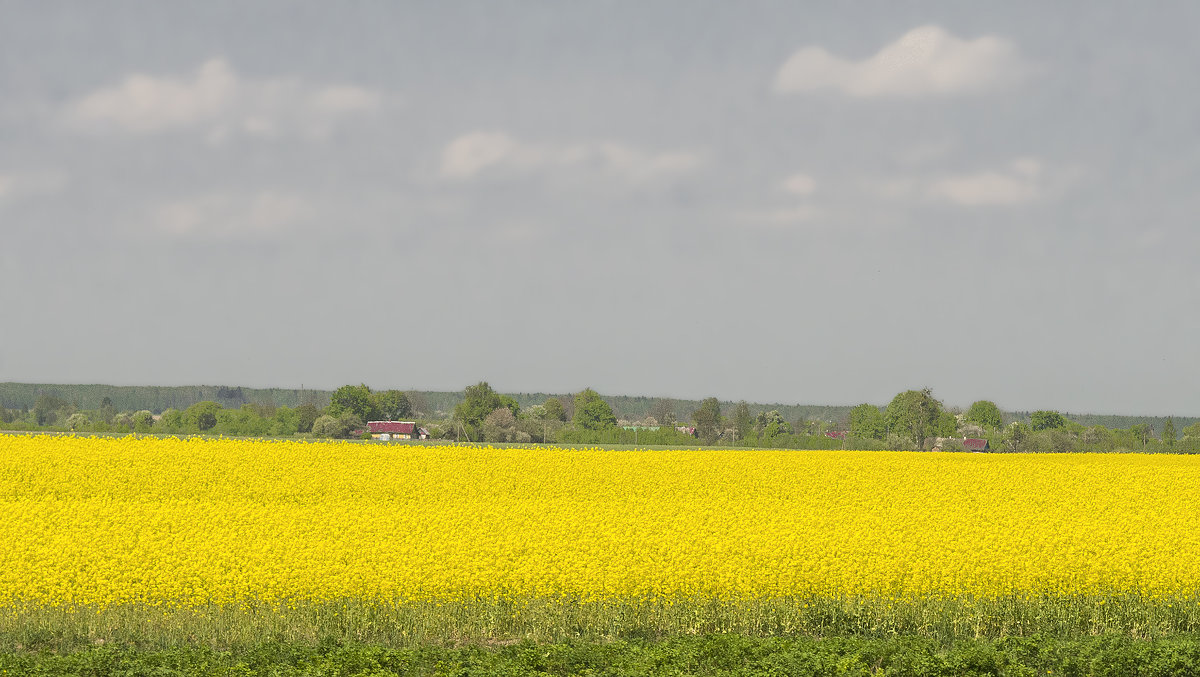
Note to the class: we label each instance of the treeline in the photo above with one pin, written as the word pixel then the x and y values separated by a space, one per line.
pixel 344 415
pixel 427 403
pixel 156 399
pixel 914 419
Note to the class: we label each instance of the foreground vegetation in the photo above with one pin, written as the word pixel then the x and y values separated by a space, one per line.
pixel 1107 656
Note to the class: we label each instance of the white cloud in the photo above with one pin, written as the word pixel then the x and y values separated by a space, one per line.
pixel 1018 183
pixel 222 216
pixel 986 188
pixel 799 184
pixel 475 153
pixel 220 103
pixel 925 61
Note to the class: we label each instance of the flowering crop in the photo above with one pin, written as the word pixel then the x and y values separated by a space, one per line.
pixel 195 522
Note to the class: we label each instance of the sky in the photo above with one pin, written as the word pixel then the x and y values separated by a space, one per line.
pixel 774 201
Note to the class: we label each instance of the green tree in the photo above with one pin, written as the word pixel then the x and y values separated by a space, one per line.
pixel 306 414
pixel 284 421
pixel 947 424
pixel 772 424
pixel 914 413
pixel 592 412
pixel 743 421
pixel 143 421
pixel 202 415
pixel 510 403
pixel 357 400
pixel 393 405
pixel 1168 434
pixel 984 413
pixel 172 421
pixel 478 401
pixel 1046 420
pixel 78 421
pixel 325 426
pixel 866 421
pixel 337 427
pixel 553 409
pixel 707 420
pixel 1141 433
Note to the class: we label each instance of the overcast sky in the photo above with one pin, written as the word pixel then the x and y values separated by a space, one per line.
pixel 782 202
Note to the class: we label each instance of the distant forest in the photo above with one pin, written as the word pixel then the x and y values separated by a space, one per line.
pixel 430 404
pixel 426 403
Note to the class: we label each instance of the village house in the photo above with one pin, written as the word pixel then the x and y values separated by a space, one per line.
pixel 396 430
pixel 968 443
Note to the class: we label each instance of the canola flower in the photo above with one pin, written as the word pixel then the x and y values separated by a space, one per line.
pixel 203 522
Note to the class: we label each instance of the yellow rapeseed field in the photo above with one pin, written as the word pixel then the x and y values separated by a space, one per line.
pixel 201 522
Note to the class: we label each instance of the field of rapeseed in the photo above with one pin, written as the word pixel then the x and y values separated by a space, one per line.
pixel 203 539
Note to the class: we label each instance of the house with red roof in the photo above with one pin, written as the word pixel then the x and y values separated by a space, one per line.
pixel 396 430
pixel 976 444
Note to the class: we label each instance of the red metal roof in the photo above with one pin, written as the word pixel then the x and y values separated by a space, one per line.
pixel 975 444
pixel 395 427
pixel 836 434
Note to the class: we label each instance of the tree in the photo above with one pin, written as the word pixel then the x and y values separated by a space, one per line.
pixel 357 400
pixel 913 413
pixel 202 415
pixel 1017 437
pixel 743 422
pixel 338 427
pixel 325 426
pixel 284 421
pixel 1141 432
pixel 867 421
pixel 985 413
pixel 707 420
pixel 172 421
pixel 592 412
pixel 947 424
pixel 553 409
pixel 499 426
pixel 1046 420
pixel 511 403
pixel 772 424
pixel 663 411
pixel 143 421
pixel 1168 434
pixel 478 401
pixel 393 404
pixel 306 415
pixel 78 421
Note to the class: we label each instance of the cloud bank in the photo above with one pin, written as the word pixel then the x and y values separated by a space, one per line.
pixel 1020 182
pixel 478 153
pixel 925 61
pixel 217 101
